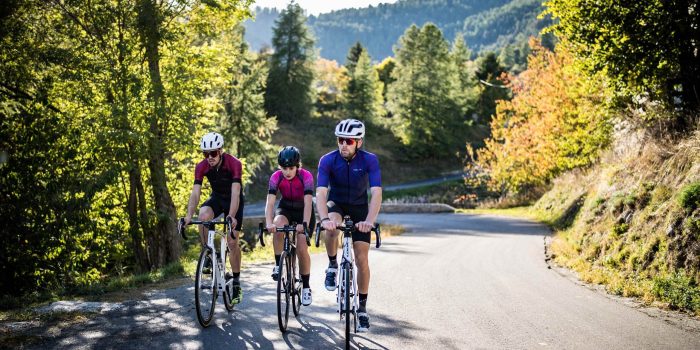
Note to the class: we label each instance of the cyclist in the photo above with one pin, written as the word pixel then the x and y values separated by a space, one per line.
pixel 297 187
pixel 343 178
pixel 223 171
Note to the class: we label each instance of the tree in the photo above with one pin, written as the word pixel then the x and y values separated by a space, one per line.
pixel 363 98
pixel 243 117
pixel 422 97
pixel 557 120
pixel 466 90
pixel 489 72
pixel 331 81
pixel 289 94
pixel 384 70
pixel 646 48
pixel 354 56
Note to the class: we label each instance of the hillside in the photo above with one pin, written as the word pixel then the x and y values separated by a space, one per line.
pixel 632 222
pixel 487 25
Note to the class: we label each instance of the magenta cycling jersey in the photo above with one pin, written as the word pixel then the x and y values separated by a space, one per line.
pixel 294 190
pixel 221 177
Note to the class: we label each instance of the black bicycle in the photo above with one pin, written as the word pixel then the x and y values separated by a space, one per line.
pixel 289 282
pixel 347 296
pixel 210 278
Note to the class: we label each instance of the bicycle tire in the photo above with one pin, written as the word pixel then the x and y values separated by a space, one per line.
pixel 296 286
pixel 346 291
pixel 203 282
pixel 283 292
pixel 228 291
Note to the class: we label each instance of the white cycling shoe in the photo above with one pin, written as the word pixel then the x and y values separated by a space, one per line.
pixel 306 296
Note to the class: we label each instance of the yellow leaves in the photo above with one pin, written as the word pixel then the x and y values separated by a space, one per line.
pixel 552 124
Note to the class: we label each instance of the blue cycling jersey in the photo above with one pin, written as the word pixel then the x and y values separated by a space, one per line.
pixel 348 180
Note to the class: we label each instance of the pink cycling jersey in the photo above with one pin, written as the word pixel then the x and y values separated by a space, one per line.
pixel 292 190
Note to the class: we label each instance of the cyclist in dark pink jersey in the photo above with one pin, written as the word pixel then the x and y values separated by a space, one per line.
pixel 224 173
pixel 296 185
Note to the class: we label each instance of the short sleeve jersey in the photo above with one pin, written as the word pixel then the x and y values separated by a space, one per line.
pixel 348 181
pixel 292 190
pixel 222 176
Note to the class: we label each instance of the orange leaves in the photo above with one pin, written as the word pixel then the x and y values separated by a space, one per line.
pixel 554 122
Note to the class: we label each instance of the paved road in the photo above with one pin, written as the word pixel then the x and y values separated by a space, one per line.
pixel 454 282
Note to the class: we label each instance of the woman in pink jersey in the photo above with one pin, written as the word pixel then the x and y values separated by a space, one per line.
pixel 296 185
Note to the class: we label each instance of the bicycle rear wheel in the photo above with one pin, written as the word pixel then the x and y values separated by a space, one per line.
pixel 346 295
pixel 296 286
pixel 205 288
pixel 284 286
pixel 228 290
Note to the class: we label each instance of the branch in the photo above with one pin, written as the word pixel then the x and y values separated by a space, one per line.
pixel 21 94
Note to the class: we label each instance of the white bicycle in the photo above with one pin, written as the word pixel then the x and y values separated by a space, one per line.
pixel 210 279
pixel 347 296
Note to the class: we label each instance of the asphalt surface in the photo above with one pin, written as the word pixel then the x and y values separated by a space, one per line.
pixel 453 282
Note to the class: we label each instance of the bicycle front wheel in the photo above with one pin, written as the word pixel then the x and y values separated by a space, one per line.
pixel 346 295
pixel 205 289
pixel 296 286
pixel 228 290
pixel 284 287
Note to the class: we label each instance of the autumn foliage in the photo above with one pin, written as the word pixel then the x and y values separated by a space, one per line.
pixel 557 120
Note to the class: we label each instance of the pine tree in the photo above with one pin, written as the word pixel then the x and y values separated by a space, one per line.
pixel 465 93
pixel 363 98
pixel 243 117
pixel 422 97
pixel 289 93
pixel 354 56
pixel 488 71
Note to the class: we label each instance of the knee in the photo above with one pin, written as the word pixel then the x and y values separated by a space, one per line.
pixel 205 213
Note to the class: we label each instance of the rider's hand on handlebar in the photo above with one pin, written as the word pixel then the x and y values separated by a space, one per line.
pixel 364 226
pixel 300 228
pixel 328 225
pixel 232 221
pixel 271 228
pixel 188 219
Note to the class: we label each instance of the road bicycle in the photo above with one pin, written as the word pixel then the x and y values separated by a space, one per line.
pixel 347 296
pixel 289 281
pixel 210 279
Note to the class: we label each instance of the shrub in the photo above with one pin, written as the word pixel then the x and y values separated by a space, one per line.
pixel 678 290
pixel 690 196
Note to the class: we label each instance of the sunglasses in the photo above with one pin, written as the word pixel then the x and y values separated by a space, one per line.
pixel 347 141
pixel 212 154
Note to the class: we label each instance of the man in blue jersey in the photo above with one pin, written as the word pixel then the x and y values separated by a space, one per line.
pixel 343 178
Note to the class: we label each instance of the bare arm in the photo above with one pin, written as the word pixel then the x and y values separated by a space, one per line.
pixel 321 205
pixel 235 201
pixel 269 212
pixel 192 203
pixel 374 205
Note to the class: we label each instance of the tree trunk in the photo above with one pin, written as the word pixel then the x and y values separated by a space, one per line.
pixel 169 247
pixel 135 227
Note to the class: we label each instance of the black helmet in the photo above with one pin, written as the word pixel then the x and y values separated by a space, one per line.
pixel 289 156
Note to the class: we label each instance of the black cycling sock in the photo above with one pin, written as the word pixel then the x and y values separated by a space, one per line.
pixel 277 259
pixel 305 280
pixel 236 275
pixel 363 302
pixel 332 262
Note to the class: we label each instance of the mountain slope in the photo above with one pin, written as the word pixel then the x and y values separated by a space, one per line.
pixel 486 24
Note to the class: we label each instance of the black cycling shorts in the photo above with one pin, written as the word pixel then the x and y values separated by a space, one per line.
pixel 296 215
pixel 357 213
pixel 221 205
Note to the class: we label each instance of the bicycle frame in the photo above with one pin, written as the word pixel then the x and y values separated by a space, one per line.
pixel 347 265
pixel 219 267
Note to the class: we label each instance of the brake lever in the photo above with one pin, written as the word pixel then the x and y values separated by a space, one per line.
pixel 260 234
pixel 307 234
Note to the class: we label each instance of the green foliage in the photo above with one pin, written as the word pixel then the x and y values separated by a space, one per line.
pixel 679 290
pixel 363 97
pixel 289 94
pixel 423 96
pixel 689 198
pixel 90 165
pixel 490 74
pixel 620 39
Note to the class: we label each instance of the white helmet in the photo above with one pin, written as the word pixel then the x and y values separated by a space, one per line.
pixel 352 128
pixel 211 141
